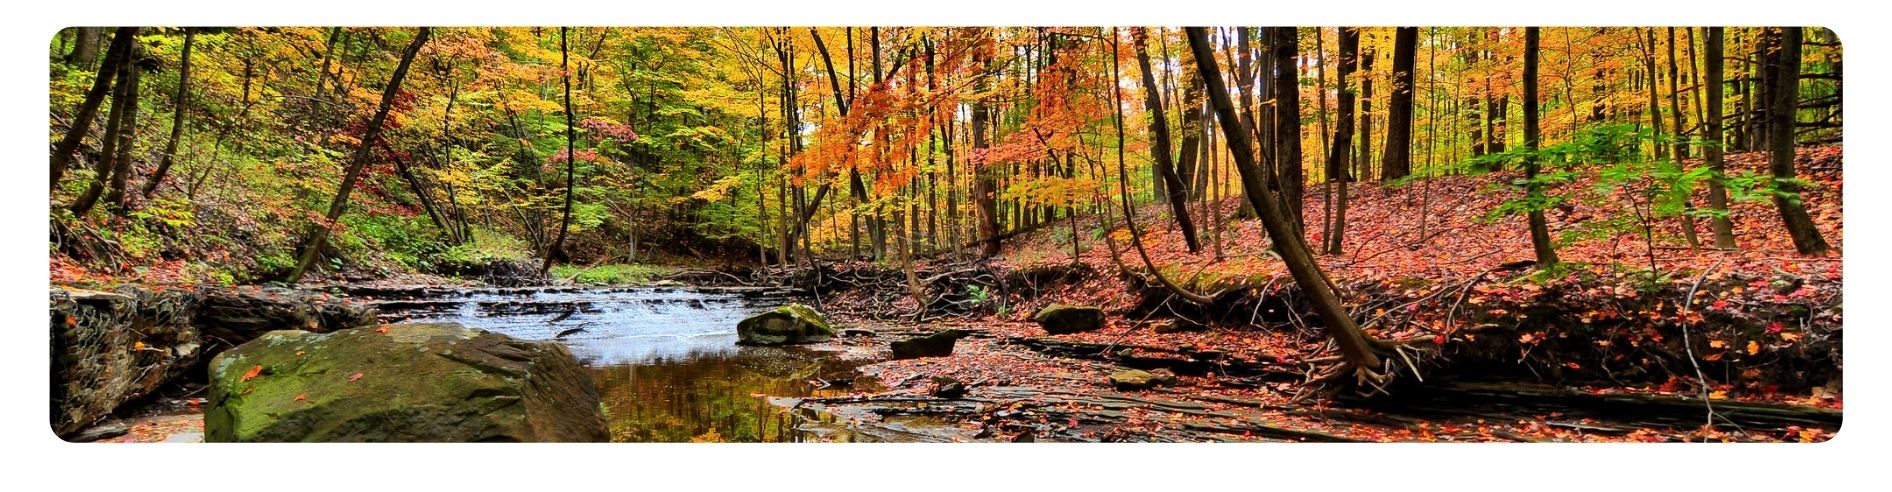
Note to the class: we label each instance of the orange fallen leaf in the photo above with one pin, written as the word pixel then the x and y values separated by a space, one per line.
pixel 1753 348
pixel 302 397
pixel 252 373
pixel 382 329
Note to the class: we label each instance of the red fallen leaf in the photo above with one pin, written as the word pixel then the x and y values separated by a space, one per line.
pixel 382 329
pixel 1573 365
pixel 1720 305
pixel 355 376
pixel 1439 340
pixel 1774 327
pixel 252 373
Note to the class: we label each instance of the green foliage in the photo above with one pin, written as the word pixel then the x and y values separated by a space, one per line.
pixel 978 292
pixel 409 242
pixel 485 247
pixel 616 274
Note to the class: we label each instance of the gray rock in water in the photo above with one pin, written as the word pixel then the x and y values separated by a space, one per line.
pixel 788 324
pixel 439 382
pixel 1059 319
pixel 938 344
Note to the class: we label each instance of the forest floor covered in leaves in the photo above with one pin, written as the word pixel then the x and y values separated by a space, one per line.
pixel 1758 326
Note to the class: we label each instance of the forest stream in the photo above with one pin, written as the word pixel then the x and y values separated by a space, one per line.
pixel 664 359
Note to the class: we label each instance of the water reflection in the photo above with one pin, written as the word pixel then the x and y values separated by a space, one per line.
pixel 665 361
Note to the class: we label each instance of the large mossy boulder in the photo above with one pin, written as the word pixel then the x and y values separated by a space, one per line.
pixel 1059 319
pixel 938 344
pixel 788 324
pixel 436 382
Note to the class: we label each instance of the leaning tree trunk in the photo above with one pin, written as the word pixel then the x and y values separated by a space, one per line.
pixel 108 147
pixel 1540 229
pixel 115 55
pixel 119 202
pixel 177 115
pixel 1353 343
pixel 1782 107
pixel 1178 194
pixel 319 232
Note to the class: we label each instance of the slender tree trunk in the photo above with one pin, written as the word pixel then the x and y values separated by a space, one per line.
pixel 177 117
pixel 1681 144
pixel 319 231
pixel 1339 156
pixel 571 162
pixel 1287 103
pixel 1178 194
pixel 1711 128
pixel 1655 107
pixel 1397 157
pixel 1188 161
pixel 110 142
pixel 118 199
pixel 118 54
pixel 1783 107
pixel 1363 170
pixel 1354 344
pixel 1540 229
pixel 328 56
pixel 985 187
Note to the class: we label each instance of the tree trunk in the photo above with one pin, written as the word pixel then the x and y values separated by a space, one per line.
pixel 1540 229
pixel 1397 157
pixel 1783 106
pixel 319 232
pixel 1178 195
pixel 115 56
pixel 1717 187
pixel 109 142
pixel 571 162
pixel 985 189
pixel 85 46
pixel 1353 343
pixel 1363 170
pixel 1681 144
pixel 1189 160
pixel 1340 156
pixel 1287 103
pixel 177 117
